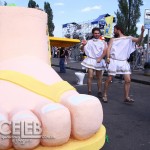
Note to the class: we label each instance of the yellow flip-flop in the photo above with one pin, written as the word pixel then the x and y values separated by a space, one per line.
pixel 96 142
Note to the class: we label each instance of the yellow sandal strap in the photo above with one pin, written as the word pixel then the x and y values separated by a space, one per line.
pixel 52 92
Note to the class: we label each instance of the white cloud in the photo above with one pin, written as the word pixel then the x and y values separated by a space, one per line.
pixel 59 4
pixel 87 9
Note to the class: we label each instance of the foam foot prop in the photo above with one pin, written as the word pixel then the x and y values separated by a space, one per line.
pixel 46 112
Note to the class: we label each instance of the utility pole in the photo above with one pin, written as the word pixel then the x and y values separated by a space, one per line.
pixel 147 26
pixel 147 53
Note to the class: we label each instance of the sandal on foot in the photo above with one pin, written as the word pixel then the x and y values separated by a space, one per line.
pixel 89 93
pixel 128 100
pixel 104 99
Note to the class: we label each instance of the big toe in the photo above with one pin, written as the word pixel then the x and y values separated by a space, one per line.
pixel 86 115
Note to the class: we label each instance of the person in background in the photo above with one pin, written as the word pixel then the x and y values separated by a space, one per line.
pixel 66 56
pixel 62 60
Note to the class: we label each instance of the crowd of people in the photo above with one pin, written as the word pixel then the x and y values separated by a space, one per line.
pixel 98 56
pixel 117 54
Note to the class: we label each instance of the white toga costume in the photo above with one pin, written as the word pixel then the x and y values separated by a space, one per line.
pixel 120 51
pixel 94 49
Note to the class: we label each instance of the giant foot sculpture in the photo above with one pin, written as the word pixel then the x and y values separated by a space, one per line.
pixel 33 96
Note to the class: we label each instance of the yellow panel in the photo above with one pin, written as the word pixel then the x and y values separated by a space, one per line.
pixel 63 42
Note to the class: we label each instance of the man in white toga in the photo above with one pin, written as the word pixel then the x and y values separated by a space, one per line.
pixel 95 50
pixel 118 52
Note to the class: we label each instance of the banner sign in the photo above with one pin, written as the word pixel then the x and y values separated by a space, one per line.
pixel 108 27
pixel 147 19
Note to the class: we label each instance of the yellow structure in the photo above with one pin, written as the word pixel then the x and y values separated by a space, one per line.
pixel 29 47
pixel 62 42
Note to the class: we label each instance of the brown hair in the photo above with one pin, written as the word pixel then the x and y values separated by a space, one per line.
pixel 96 29
pixel 119 28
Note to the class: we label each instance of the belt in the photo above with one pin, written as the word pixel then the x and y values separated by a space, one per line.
pixel 91 57
pixel 118 59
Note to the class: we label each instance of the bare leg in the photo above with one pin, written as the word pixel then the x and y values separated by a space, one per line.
pixel 90 78
pixel 127 85
pixel 106 86
pixel 127 88
pixel 99 80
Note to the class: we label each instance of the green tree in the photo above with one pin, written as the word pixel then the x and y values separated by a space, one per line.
pixel 48 10
pixel 32 4
pixel 128 15
pixel 5 3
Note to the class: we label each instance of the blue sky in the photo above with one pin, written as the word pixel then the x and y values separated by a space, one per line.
pixel 66 11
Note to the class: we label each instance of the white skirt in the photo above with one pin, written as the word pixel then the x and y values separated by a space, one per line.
pixel 92 63
pixel 118 67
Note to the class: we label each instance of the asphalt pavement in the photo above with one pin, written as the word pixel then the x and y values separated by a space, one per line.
pixel 128 126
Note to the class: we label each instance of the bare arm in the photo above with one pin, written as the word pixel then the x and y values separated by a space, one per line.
pixel 84 42
pixel 108 50
pixel 139 39
pixel 63 53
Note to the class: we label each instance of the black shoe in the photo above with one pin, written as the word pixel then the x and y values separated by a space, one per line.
pixel 89 93
pixel 99 94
